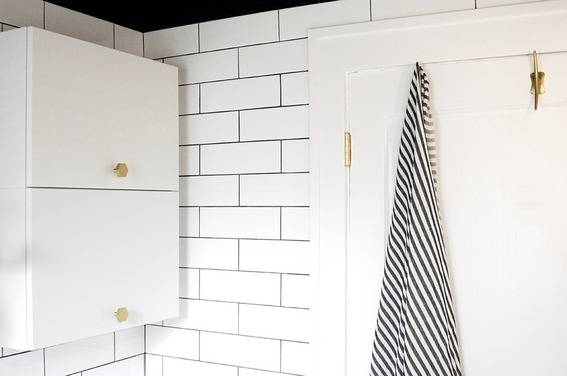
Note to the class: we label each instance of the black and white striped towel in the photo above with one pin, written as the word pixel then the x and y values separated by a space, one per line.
pixel 416 333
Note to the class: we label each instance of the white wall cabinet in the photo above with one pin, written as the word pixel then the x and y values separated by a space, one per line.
pixel 78 241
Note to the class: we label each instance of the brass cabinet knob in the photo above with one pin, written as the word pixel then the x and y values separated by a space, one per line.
pixel 121 170
pixel 121 314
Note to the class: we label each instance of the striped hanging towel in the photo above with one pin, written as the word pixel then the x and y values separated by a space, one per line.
pixel 416 333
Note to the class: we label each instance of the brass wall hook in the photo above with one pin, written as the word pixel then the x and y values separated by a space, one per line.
pixel 537 79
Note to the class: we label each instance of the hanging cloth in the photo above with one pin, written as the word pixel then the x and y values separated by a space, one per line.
pixel 416 334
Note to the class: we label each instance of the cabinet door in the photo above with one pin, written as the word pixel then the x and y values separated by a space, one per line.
pixel 91 107
pixel 92 251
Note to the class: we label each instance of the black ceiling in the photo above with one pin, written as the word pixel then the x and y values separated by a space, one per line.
pixel 154 15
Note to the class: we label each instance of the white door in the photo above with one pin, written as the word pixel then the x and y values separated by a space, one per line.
pixel 502 182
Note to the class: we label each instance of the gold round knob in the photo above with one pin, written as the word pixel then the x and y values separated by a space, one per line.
pixel 121 170
pixel 121 314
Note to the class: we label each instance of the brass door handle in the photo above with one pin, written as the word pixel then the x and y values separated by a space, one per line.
pixel 121 170
pixel 121 314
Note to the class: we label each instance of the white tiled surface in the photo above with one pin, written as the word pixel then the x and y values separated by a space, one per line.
pixel 274 190
pixel 295 358
pixel 189 160
pixel 189 281
pixel 80 355
pixel 382 9
pixel 22 12
pixel 172 342
pixel 26 364
pixel 129 342
pixel 189 222
pixel 188 99
pixel 296 291
pixel 295 88
pixel 171 42
pixel 274 322
pixel 154 365
pixel 74 24
pixel 210 66
pixel 209 253
pixel 295 156
pixel 275 256
pixel 240 94
pixel 208 190
pixel 206 315
pixel 241 222
pixel 240 158
pixel 243 287
pixel 494 3
pixel 128 40
pixel 274 123
pixel 295 223
pixel 208 128
pixel 128 367
pixel 239 31
pixel 241 351
pixel 290 56
pixel 182 367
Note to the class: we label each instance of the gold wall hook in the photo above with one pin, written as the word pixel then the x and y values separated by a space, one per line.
pixel 121 170
pixel 538 79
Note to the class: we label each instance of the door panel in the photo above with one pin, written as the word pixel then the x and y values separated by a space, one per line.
pixel 501 184
pixel 118 248
pixel 92 107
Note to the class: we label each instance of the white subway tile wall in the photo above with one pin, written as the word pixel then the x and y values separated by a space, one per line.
pixel 244 188
pixel 113 354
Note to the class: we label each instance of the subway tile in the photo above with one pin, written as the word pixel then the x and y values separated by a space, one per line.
pixel 209 66
pixel 208 190
pixel 295 22
pixel 240 158
pixel 255 372
pixel 240 94
pixel 295 156
pixel 128 367
pixel 8 27
pixel 188 99
pixel 128 40
pixel 180 40
pixel 22 12
pixel 295 223
pixel 274 256
pixel 295 88
pixel 189 160
pixel 383 9
pixel 274 322
pixel 189 282
pixel 289 56
pixel 180 343
pixel 274 190
pixel 188 222
pixel 206 315
pixel 209 253
pixel 182 367
pixel 241 351
pixel 79 355
pixel 26 364
pixel 296 358
pixel 243 287
pixel 255 223
pixel 129 342
pixel 154 365
pixel 78 25
pixel 274 123
pixel 7 351
pixel 208 128
pixel 239 31
pixel 296 291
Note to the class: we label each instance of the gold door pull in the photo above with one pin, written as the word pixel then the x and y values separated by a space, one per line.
pixel 121 170
pixel 537 79
pixel 121 314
